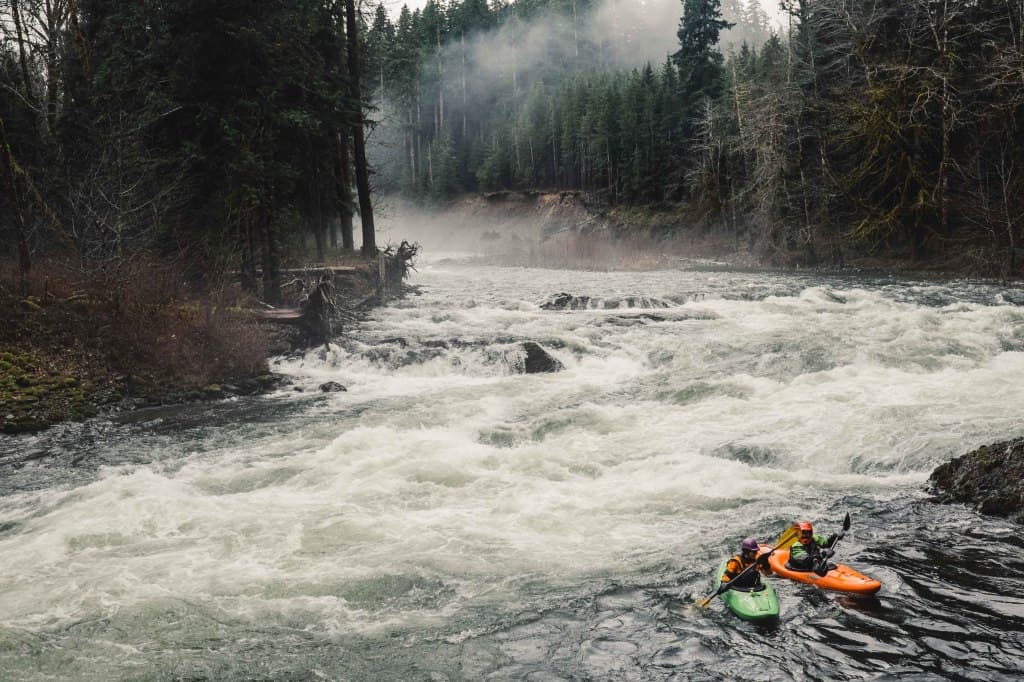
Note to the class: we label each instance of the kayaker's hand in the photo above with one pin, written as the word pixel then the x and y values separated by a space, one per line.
pixel 762 561
pixel 821 567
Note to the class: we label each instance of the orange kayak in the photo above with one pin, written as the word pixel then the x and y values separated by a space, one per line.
pixel 839 579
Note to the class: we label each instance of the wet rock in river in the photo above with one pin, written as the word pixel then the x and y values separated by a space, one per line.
pixel 990 478
pixel 333 387
pixel 529 357
pixel 538 360
pixel 564 301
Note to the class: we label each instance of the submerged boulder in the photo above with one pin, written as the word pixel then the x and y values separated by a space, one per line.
pixel 990 478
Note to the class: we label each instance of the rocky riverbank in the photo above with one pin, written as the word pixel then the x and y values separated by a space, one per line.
pixel 990 478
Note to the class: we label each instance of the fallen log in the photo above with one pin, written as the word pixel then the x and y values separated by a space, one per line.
pixel 279 314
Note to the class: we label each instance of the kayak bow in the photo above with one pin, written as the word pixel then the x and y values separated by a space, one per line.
pixel 750 604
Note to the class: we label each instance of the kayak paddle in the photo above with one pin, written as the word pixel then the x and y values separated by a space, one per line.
pixel 830 550
pixel 788 537
pixel 785 540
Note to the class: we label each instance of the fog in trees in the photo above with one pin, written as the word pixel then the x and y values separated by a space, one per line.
pixel 820 130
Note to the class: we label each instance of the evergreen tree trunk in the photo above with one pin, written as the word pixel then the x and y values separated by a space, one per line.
pixel 24 255
pixel 575 34
pixel 320 233
pixel 22 59
pixel 52 69
pixel 271 266
pixel 412 152
pixel 358 138
pixel 464 106
pixel 79 39
pixel 249 255
pixel 343 163
pixel 440 84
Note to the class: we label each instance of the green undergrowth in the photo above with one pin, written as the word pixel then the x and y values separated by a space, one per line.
pixel 36 391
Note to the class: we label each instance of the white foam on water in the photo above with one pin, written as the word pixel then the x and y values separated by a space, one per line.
pixel 446 480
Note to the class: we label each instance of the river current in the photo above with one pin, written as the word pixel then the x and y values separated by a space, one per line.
pixel 451 518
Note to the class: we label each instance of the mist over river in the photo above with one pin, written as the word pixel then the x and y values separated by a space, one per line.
pixel 451 518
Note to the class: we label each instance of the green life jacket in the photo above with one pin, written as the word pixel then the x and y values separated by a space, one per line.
pixel 801 557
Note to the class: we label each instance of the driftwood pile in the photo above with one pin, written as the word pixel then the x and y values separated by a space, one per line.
pixel 323 308
pixel 397 263
pixel 320 309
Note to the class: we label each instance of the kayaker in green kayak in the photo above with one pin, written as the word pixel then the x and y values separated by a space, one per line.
pixel 744 560
pixel 806 553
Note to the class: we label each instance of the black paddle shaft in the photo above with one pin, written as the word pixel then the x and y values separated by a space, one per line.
pixel 830 552
pixel 724 587
pixel 846 527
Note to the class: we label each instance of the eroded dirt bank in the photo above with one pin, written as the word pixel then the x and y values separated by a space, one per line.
pixel 568 229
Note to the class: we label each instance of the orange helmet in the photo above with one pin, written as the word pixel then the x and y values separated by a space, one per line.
pixel 804 526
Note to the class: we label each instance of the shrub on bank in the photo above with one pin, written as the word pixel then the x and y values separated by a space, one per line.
pixel 76 339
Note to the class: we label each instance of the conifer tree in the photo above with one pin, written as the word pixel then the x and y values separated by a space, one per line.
pixel 698 58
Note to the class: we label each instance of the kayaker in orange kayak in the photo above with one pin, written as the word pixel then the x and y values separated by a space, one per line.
pixel 744 560
pixel 806 553
pixel 822 574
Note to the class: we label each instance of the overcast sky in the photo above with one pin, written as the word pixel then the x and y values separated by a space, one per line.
pixel 394 6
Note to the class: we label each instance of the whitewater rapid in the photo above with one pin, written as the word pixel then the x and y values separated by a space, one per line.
pixel 446 492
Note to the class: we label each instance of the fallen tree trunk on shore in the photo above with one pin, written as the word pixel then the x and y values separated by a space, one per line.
pixel 328 297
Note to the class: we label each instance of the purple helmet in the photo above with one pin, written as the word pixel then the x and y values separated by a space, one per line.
pixel 749 545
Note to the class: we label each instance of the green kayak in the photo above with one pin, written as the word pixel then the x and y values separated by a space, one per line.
pixel 750 604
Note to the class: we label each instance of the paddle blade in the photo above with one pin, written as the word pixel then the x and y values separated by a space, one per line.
pixel 846 522
pixel 788 537
pixel 703 603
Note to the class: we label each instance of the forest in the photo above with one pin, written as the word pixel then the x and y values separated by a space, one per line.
pixel 885 127
pixel 219 135
pixel 227 135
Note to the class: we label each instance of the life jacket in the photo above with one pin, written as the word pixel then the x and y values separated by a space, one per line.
pixel 735 567
pixel 801 556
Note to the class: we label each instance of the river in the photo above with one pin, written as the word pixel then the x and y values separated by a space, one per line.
pixel 450 518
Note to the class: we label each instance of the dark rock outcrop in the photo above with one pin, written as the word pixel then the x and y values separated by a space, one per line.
pixel 990 478
pixel 539 360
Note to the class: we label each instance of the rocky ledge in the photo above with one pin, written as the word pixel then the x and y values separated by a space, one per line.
pixel 990 478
